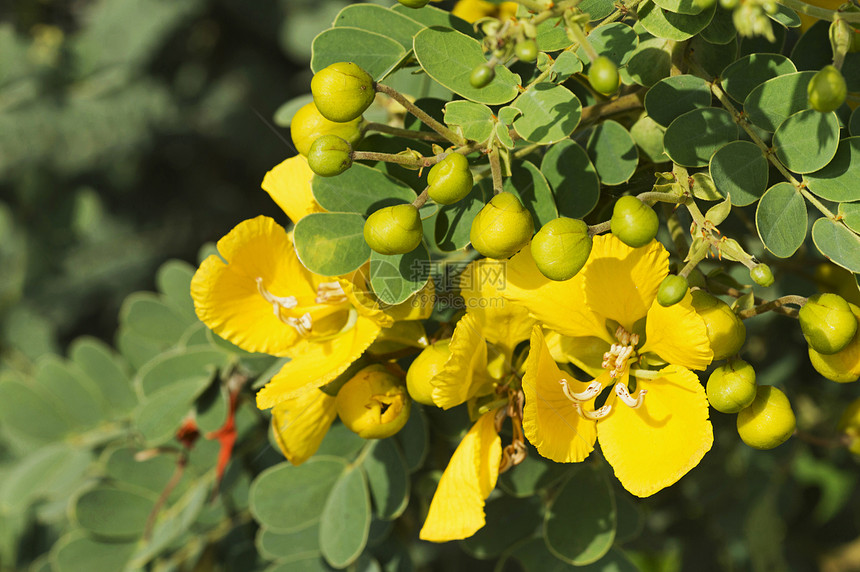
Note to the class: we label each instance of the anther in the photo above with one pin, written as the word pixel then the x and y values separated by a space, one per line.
pixel 277 302
pixel 593 415
pixel 302 324
pixel 593 389
pixel 624 395
pixel 330 293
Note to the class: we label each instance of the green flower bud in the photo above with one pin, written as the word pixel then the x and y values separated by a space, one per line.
pixel 414 3
pixel 827 90
pixel 502 227
pixel 481 76
pixel 726 332
pixel 330 155
pixel 761 275
pixel 849 425
pixel 841 367
pixel 603 76
pixel 827 323
pixel 729 4
pixel 561 247
pixel 308 125
pixel 342 91
pixel 731 387
pixel 672 290
pixel 373 404
pixel 768 421
pixel 526 50
pixel 425 367
pixel 450 179
pixel 394 230
pixel 633 222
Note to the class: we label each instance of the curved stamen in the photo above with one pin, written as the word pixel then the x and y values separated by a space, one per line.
pixel 330 293
pixel 277 302
pixel 593 389
pixel 302 324
pixel 592 415
pixel 624 395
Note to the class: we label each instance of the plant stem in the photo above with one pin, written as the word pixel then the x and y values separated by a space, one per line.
pixel 658 197
pixel 820 13
pixel 721 288
pixel 599 228
pixel 772 305
pixel 421 114
pixel 605 108
pixel 405 160
pixel 421 199
pixel 695 258
pixel 408 133
pixel 496 169
pixel 580 36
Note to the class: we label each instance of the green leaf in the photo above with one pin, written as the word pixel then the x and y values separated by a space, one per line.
pixel 615 41
pixel 839 180
pixel 360 189
pixel 345 519
pixel 551 35
pixel 672 26
pixel 75 552
pixel 174 366
pixel 380 20
pixel 283 116
pixel 721 30
pixel 475 121
pixel 29 409
pixel 396 277
pixel 107 370
pixel 340 441
pixel 533 475
pixel 836 242
pixel 529 185
pixel 747 73
pixel 78 396
pixel 712 58
pixel 807 141
pixel 331 244
pixel 453 222
pixel 680 6
pixel 739 170
pixel 703 187
pixel 290 545
pixel 113 512
pixel 573 178
pixel 414 438
pixel 850 213
pixel 449 57
pixel 579 525
pixel 650 62
pixel 781 219
pixel 286 499
pixel 854 123
pixel 42 475
pixel 675 96
pixel 378 55
pixel 508 521
pixel 692 138
pixel 173 280
pixel 549 113
pixel 775 100
pixel 613 152
pixel 596 9
pixel 146 315
pixel 150 474
pixel 565 65
pixel 388 478
pixel 785 16
pixel 631 519
pixel 159 417
pixel 433 16
pixel 533 556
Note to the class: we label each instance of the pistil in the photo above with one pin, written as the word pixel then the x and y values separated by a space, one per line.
pixel 330 293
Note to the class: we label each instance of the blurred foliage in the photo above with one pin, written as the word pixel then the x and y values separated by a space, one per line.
pixel 133 131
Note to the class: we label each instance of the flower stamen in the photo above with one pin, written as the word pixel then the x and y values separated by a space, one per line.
pixel 593 389
pixel 302 324
pixel 277 302
pixel 592 415
pixel 624 395
pixel 330 293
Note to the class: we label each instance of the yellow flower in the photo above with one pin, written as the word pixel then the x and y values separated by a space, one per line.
pixel 457 508
pixel 612 327
pixel 472 10
pixel 261 298
pixel 289 185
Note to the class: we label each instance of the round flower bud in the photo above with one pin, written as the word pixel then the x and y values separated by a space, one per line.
pixel 394 230
pixel 761 275
pixel 425 367
pixel 603 76
pixel 342 91
pixel 330 155
pixel 731 387
pixel 502 227
pixel 633 222
pixel 849 425
pixel 450 180
pixel 481 76
pixel 841 366
pixel 308 125
pixel 526 50
pixel 374 403
pixel 672 290
pixel 561 247
pixel 768 421
pixel 827 90
pixel 414 3
pixel 726 332
pixel 827 323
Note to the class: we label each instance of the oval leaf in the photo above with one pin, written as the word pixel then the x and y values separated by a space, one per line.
pixel 739 170
pixel 693 137
pixel 475 120
pixel 781 219
pixel 331 244
pixel 573 178
pixel 529 184
pixel 774 101
pixel 839 180
pixel 76 552
pixel 112 512
pixel 839 244
pixel 671 26
pixel 394 278
pixel 807 141
pixel 549 113
pixel 613 152
pixel 454 222
pixel 360 189
pixel 388 479
pixel 747 73
pixel 345 520
pixel 380 20
pixel 675 96
pixel 375 53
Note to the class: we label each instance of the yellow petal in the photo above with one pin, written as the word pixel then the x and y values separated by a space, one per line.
pixel 356 286
pixel 419 306
pixel 457 508
pixel 621 282
pixel 585 353
pixel 317 363
pixel 299 424
pixel 289 185
pixel 678 335
pixel 653 446
pixel 461 376
pixel 559 305
pixel 550 420
pixel 226 296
